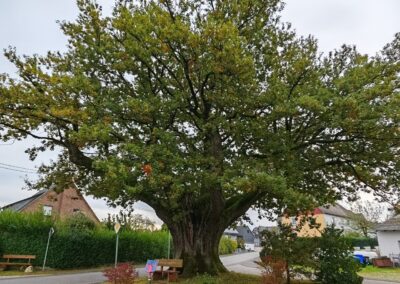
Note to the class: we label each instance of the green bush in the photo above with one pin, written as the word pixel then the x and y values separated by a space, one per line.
pixel 79 222
pixel 72 248
pixel 227 246
pixel 284 246
pixel 328 257
pixel 362 242
pixel 336 264
pixel 11 221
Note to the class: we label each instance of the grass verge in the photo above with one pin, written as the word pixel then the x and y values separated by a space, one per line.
pixel 381 273
pixel 234 278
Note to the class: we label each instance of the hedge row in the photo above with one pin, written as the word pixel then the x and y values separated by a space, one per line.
pixel 72 248
pixel 360 242
pixel 363 242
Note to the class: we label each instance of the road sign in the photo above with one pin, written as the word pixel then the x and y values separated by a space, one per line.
pixel 117 226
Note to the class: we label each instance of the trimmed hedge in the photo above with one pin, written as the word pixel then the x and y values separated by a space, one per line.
pixel 360 242
pixel 72 248
pixel 363 242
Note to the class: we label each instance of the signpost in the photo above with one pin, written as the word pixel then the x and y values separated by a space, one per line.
pixel 169 243
pixel 117 226
pixel 51 232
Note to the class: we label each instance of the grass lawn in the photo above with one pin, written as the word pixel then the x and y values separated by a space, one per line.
pixel 382 273
pixel 233 278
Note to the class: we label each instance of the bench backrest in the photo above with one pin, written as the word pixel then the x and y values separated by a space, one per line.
pixel 178 263
pixel 16 256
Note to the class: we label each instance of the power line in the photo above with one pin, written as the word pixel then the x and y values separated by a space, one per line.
pixel 15 170
pixel 18 167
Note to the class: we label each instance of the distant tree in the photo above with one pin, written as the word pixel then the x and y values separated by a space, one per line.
pixel 129 221
pixel 203 109
pixel 392 198
pixel 79 222
pixel 365 215
pixel 164 227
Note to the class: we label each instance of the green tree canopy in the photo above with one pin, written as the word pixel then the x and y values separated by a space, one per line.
pixel 203 109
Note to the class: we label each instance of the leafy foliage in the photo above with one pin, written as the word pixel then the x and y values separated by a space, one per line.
pixel 328 257
pixel 27 234
pixel 362 242
pixel 11 221
pixel 124 273
pixel 227 246
pixel 284 246
pixel 336 264
pixel 129 221
pixel 79 222
pixel 206 108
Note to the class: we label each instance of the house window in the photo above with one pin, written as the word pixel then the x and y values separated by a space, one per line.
pixel 47 210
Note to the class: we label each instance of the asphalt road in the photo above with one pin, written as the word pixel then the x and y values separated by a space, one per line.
pixel 242 263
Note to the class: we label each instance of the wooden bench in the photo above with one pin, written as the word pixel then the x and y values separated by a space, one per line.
pixel 171 272
pixel 17 260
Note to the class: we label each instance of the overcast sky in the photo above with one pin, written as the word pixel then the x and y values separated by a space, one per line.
pixel 30 26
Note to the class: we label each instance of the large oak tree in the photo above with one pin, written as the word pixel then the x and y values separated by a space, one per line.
pixel 203 109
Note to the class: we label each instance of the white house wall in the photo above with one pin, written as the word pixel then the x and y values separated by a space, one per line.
pixel 389 242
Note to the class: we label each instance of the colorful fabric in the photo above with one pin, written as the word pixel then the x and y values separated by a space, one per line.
pixel 151 265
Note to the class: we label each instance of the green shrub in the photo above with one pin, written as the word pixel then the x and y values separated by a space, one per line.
pixel 328 257
pixel 72 248
pixel 227 246
pixel 284 246
pixel 362 242
pixel 1 247
pixel 11 221
pixel 79 222
pixel 336 264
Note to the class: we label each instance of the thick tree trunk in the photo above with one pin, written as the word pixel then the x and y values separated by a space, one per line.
pixel 198 247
